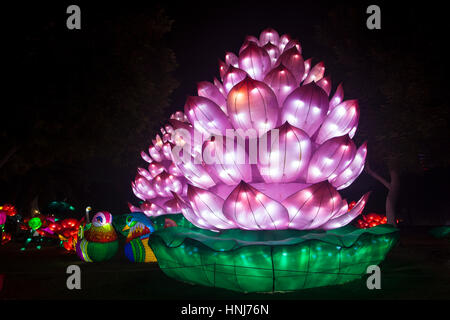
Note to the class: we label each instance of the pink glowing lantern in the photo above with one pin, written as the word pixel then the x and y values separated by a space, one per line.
pixel 281 81
pixel 251 209
pixel 233 77
pixel 208 90
pixel 255 61
pixel 292 59
pixel 252 104
pixel 288 159
pixel 267 147
pixel 306 108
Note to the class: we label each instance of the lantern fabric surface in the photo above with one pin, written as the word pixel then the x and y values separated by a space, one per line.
pixel 254 164
pixel 98 240
pixel 139 228
pixel 273 123
pixel 270 261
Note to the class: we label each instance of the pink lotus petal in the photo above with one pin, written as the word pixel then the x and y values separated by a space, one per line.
pixel 173 169
pixel 155 154
pixel 179 116
pixel 273 52
pixel 232 78
pixel 305 108
pixel 223 68
pixel 227 159
pixel 165 184
pixel 354 169
pixel 208 206
pixel 167 137
pixel 342 210
pixel 158 141
pixel 189 214
pixel 144 187
pixel 219 86
pixel 292 59
pixel 293 43
pixel 307 68
pixel 337 97
pixel 282 82
pixel 193 170
pixel 249 40
pixel 206 116
pixel 171 206
pixel 345 219
pixel 315 74
pixel 208 90
pixel 146 157
pixel 340 121
pixel 136 192
pixel 167 150
pixel 168 128
pixel 284 40
pixel 133 208
pixel 251 209
pixel 252 104
pixel 269 35
pixel 147 175
pixel 325 84
pixel 151 209
pixel 255 61
pixel 313 206
pixel 287 155
pixel 155 168
pixel 187 137
pixel 330 159
pixel 231 59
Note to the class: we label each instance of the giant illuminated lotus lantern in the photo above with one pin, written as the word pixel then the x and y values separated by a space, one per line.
pixel 264 149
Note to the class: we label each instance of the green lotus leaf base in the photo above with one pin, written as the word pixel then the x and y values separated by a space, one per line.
pixel 440 232
pixel 268 261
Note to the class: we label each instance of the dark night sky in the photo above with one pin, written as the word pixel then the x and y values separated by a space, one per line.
pixel 203 31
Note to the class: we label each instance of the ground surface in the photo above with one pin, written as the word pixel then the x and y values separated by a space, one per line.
pixel 417 268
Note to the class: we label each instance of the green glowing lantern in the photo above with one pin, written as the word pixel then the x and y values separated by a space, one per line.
pixel 35 223
pixel 98 240
pixel 263 216
pixel 269 261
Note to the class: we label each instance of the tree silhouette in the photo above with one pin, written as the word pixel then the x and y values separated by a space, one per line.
pixel 87 99
pixel 395 74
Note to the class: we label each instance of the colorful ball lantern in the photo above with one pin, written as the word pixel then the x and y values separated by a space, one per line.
pixel 98 240
pixel 371 220
pixel 35 223
pixel 8 209
pixel 254 165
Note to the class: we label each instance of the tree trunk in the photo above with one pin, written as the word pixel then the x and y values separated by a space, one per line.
pixel 393 186
pixel 391 199
pixel 8 156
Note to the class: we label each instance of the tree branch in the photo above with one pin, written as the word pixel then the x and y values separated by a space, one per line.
pixel 376 176
pixel 10 153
